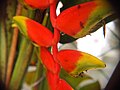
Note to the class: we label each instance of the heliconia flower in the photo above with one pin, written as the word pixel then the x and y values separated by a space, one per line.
pixel 36 32
pixel 75 62
pixel 72 20
pixel 53 80
pixel 41 4
pixel 63 85
pixel 79 20
pixel 48 60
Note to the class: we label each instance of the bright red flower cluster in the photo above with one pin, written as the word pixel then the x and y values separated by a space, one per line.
pixel 44 38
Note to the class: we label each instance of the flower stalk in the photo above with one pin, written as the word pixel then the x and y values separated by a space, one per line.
pixel 11 57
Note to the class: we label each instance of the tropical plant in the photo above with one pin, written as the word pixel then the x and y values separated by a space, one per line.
pixel 30 31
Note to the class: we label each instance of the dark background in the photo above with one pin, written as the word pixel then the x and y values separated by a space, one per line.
pixel 114 82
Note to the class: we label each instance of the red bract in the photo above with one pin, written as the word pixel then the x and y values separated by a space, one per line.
pixel 72 20
pixel 36 32
pixel 75 62
pixel 53 80
pixel 68 59
pixel 41 4
pixel 48 61
pixel 63 85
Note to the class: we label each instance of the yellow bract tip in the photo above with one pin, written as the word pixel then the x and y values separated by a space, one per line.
pixel 14 25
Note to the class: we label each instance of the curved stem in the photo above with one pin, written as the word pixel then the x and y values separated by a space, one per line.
pixel 55 41
pixel 12 49
pixel 53 15
pixel 56 36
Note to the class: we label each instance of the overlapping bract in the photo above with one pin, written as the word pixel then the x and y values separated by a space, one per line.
pixel 34 31
pixel 72 22
pixel 38 4
pixel 55 83
pixel 79 21
pixel 53 80
pixel 75 62
pixel 48 60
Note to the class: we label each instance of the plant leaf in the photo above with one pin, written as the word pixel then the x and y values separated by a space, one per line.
pixel 63 85
pixel 21 65
pixel 3 52
pixel 73 81
pixel 91 86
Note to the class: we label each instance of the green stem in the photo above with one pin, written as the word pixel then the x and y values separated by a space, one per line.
pixel 45 19
pixel 56 37
pixel 10 11
pixel 12 50
pixel 38 77
pixel 3 52
pixel 53 15
pixel 21 66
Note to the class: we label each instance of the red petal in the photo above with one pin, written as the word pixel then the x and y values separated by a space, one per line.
pixel 53 80
pixel 41 4
pixel 48 61
pixel 68 59
pixel 73 19
pixel 38 33
pixel 75 62
pixel 63 85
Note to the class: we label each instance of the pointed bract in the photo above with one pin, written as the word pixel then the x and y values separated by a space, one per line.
pixel 73 19
pixel 80 20
pixel 20 22
pixel 34 31
pixel 41 4
pixel 75 62
pixel 48 60
pixel 53 80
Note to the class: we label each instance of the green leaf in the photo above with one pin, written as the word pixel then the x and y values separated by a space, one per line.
pixel 3 52
pixel 10 11
pixel 91 86
pixel 21 65
pixel 44 85
pixel 37 78
pixel 29 77
pixel 74 82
